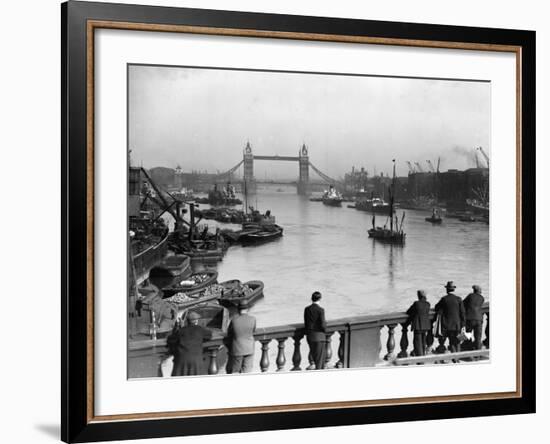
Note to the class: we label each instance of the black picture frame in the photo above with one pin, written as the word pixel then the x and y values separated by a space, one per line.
pixel 76 423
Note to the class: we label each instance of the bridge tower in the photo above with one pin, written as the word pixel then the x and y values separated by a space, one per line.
pixel 248 167
pixel 303 171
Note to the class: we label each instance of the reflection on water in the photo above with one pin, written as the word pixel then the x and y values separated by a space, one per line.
pixel 327 249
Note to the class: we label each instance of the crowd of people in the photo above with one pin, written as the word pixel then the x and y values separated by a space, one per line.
pixel 454 318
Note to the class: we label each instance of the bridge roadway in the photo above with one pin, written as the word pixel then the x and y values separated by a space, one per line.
pixel 276 157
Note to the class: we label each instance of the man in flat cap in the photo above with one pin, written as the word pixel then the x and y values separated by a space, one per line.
pixel 419 319
pixel 241 336
pixel 186 344
pixel 474 316
pixel 453 318
pixel 315 326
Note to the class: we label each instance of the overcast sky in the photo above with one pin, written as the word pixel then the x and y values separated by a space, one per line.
pixel 202 118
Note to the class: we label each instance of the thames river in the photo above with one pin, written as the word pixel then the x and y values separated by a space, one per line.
pixel 327 249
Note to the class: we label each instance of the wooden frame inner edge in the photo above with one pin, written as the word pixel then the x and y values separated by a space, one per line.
pixel 90 28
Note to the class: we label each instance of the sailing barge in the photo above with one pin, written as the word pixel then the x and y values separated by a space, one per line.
pixel 395 234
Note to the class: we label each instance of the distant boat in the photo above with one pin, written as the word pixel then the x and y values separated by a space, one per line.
pixel 395 234
pixel 373 205
pixel 435 218
pixel 332 197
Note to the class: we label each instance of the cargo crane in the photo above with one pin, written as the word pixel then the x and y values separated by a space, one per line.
pixel 420 170
pixel 486 157
pixel 411 168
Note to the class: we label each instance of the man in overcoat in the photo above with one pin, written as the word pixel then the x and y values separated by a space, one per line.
pixel 241 336
pixel 453 317
pixel 315 327
pixel 419 320
pixel 187 345
pixel 474 315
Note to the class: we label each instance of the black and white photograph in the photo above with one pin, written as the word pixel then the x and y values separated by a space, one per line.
pixel 303 221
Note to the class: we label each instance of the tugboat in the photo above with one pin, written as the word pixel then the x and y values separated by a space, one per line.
pixel 435 218
pixel 332 197
pixel 391 235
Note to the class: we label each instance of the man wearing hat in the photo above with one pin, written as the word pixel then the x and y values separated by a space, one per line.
pixel 241 336
pixel 453 318
pixel 316 326
pixel 419 319
pixel 187 345
pixel 474 316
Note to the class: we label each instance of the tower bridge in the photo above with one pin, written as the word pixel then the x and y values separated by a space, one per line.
pixel 304 165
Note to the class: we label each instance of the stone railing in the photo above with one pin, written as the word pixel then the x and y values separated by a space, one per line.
pixel 360 341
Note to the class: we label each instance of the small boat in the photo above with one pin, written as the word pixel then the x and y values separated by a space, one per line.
pixel 183 301
pixel 265 234
pixel 435 218
pixel 175 265
pixel 332 197
pixel 247 293
pixel 192 284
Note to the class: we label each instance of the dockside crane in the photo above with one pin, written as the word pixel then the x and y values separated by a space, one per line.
pixel 485 156
pixel 420 170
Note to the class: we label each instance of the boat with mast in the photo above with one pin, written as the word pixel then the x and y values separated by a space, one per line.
pixel 395 234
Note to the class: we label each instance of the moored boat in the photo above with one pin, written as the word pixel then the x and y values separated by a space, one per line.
pixel 247 294
pixel 192 284
pixel 265 234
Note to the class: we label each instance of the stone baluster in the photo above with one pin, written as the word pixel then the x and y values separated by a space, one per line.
pixel 404 343
pixel 486 340
pixel 264 360
pixel 213 360
pixel 390 344
pixel 297 355
pixel 341 349
pixel 281 359
pixel 328 349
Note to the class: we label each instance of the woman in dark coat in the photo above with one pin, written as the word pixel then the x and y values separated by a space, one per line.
pixel 419 319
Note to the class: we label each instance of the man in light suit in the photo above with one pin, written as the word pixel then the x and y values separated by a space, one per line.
pixel 241 335
pixel 316 326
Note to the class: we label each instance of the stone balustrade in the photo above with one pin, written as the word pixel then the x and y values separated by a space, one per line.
pixel 358 341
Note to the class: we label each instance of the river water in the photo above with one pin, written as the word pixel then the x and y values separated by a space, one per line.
pixel 327 249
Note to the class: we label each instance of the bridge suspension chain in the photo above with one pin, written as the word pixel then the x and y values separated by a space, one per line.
pixel 324 176
pixel 232 170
